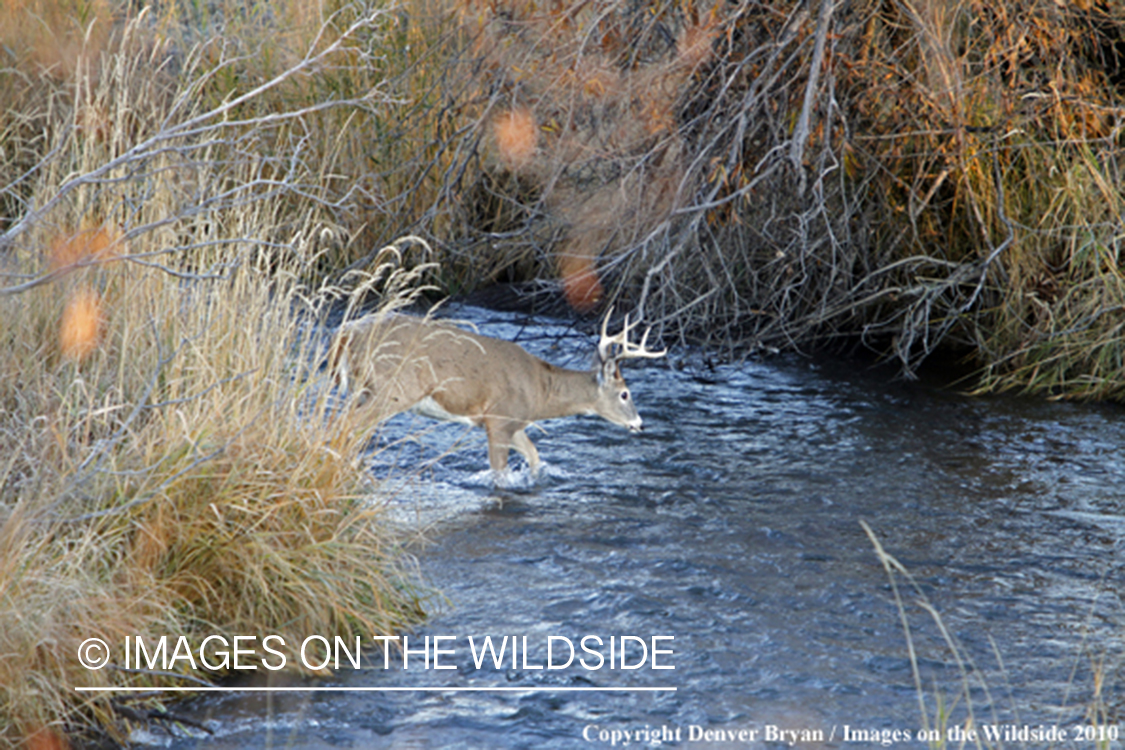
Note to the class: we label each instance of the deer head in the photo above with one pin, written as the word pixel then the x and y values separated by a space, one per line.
pixel 614 401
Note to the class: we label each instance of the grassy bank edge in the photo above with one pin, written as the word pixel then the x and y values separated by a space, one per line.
pixel 174 461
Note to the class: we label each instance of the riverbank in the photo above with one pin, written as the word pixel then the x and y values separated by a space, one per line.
pixel 926 180
pixel 942 180
pixel 173 465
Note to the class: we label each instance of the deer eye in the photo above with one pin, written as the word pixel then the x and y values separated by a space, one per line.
pixel 624 395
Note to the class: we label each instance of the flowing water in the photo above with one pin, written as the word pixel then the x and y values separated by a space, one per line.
pixel 733 523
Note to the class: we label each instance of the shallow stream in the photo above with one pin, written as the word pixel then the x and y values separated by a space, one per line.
pixel 733 523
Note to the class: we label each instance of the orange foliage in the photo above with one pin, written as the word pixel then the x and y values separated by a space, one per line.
pixel 52 35
pixel 81 326
pixel 517 137
pixel 87 245
pixel 45 738
pixel 581 285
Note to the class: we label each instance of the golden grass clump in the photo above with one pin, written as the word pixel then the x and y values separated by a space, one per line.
pixel 993 138
pixel 185 481
pixel 171 461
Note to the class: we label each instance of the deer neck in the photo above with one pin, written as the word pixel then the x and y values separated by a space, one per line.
pixel 568 392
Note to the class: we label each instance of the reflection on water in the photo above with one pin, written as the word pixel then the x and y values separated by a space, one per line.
pixel 733 523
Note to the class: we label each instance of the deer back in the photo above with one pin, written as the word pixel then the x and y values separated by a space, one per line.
pixel 399 361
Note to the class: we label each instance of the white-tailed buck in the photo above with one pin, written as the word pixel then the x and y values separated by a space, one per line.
pixel 439 370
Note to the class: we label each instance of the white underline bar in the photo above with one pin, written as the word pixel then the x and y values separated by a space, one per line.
pixel 214 689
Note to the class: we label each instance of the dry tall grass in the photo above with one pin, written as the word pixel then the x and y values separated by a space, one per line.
pixel 992 138
pixel 169 463
pixel 909 175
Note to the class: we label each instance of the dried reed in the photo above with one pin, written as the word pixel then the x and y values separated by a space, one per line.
pixel 171 462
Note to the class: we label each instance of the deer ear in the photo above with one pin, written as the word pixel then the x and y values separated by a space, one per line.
pixel 609 372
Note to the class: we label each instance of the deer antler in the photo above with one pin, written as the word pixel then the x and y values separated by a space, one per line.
pixel 628 350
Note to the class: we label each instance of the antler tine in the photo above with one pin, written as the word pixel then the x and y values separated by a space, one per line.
pixel 605 322
pixel 644 342
pixel 628 350
pixel 641 350
pixel 607 341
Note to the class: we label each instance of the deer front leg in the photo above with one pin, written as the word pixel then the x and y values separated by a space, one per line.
pixel 500 433
pixel 505 434
pixel 522 443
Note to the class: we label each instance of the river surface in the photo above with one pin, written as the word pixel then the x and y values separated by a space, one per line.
pixel 734 524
